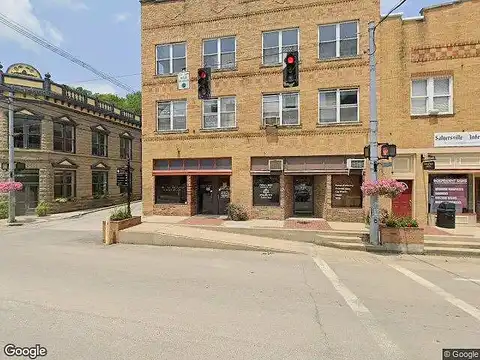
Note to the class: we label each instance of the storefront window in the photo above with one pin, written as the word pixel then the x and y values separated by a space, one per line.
pixel 266 190
pixel 170 189
pixel 346 191
pixel 453 188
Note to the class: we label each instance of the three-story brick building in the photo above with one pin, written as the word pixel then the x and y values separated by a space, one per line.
pixel 71 144
pixel 200 155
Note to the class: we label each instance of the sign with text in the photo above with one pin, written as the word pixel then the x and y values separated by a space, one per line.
pixel 457 139
pixel 450 190
pixel 183 80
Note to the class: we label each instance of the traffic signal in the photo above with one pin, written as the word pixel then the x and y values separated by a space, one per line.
pixel 204 90
pixel 388 151
pixel 290 70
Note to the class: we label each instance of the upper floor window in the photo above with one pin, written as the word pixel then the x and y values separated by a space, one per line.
pixel 276 44
pixel 125 148
pixel 219 113
pixel 172 115
pixel 281 109
pixel 27 133
pixel 63 137
pixel 338 40
pixel 219 53
pixel 432 95
pixel 338 106
pixel 171 58
pixel 99 143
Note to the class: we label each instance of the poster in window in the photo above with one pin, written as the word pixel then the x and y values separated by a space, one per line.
pixel 451 190
pixel 266 190
pixel 346 191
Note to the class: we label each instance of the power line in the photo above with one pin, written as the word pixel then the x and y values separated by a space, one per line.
pixel 96 79
pixel 32 36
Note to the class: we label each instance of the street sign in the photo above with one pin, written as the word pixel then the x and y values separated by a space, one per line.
pixel 429 165
pixel 387 164
pixel 122 177
pixel 183 80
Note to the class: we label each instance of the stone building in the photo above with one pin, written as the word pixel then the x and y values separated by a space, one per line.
pixel 429 82
pixel 198 156
pixel 71 144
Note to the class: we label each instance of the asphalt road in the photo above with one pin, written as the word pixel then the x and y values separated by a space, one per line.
pixel 62 289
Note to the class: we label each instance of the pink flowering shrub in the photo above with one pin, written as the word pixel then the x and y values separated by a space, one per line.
pixel 389 187
pixel 8 186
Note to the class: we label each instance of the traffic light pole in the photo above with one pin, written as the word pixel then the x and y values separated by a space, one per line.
pixel 373 136
pixel 11 160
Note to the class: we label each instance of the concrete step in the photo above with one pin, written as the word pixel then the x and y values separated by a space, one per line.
pixel 339 238
pixel 446 251
pixel 453 244
pixel 345 245
pixel 440 238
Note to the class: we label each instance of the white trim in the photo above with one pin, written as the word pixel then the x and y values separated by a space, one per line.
pixel 219 127
pixel 430 95
pixel 338 106
pixel 338 40
pixel 280 107
pixel 170 52
pixel 219 53
pixel 280 46
pixel 171 102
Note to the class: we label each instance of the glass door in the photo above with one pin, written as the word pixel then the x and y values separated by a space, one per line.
pixel 303 196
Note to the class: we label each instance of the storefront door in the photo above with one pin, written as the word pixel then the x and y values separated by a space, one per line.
pixel 402 205
pixel 213 195
pixel 303 195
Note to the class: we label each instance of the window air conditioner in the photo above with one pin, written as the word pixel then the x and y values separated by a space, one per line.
pixel 355 164
pixel 275 165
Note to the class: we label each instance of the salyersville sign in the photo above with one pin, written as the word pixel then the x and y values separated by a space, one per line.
pixel 457 139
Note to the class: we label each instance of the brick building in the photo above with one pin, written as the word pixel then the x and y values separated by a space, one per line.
pixel 71 144
pixel 429 81
pixel 200 155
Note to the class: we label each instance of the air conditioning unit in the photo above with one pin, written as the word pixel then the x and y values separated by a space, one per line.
pixel 355 164
pixel 275 165
pixel 272 121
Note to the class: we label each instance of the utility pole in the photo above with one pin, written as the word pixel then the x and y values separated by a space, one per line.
pixel 11 160
pixel 373 136
pixel 129 184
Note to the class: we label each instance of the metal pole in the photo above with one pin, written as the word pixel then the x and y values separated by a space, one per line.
pixel 11 160
pixel 373 136
pixel 129 185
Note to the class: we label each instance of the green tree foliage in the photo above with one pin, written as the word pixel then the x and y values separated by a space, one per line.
pixel 132 102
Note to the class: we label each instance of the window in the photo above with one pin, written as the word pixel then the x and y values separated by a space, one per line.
pixel 281 109
pixel 125 148
pixel 170 190
pixel 338 40
pixel 99 183
pixel 266 190
pixel 276 44
pixel 432 94
pixel 64 184
pixel 453 188
pixel 171 58
pixel 219 113
pixel 99 143
pixel 63 137
pixel 339 106
pixel 346 191
pixel 219 53
pixel 172 116
pixel 27 134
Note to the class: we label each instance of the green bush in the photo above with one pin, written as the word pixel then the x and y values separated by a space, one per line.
pixel 3 209
pixel 237 212
pixel 401 222
pixel 120 214
pixel 42 209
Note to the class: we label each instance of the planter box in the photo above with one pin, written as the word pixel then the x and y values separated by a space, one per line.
pixel 112 228
pixel 402 240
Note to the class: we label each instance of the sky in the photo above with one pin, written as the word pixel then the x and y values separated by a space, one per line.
pixel 102 33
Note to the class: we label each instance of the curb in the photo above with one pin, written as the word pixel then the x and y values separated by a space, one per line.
pixel 94 211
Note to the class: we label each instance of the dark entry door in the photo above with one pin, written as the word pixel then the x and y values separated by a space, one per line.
pixel 303 195
pixel 27 200
pixel 213 195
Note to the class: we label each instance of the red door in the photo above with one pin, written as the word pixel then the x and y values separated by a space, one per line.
pixel 402 205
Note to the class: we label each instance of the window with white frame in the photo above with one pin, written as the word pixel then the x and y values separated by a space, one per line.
pixel 171 58
pixel 432 95
pixel 338 106
pixel 172 115
pixel 219 113
pixel 281 109
pixel 219 53
pixel 338 40
pixel 276 44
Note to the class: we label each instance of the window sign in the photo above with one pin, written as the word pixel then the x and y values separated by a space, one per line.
pixel 266 190
pixel 451 190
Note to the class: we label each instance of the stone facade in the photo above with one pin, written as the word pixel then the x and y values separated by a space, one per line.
pixel 46 160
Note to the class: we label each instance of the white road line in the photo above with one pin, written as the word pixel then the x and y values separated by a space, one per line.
pixel 472 280
pixel 390 349
pixel 469 309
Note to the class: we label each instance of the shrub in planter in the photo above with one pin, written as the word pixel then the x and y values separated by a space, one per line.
pixel 401 222
pixel 120 214
pixel 402 234
pixel 3 209
pixel 42 209
pixel 237 212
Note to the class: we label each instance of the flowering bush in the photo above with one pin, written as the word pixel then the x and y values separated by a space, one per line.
pixel 390 188
pixel 8 186
pixel 401 222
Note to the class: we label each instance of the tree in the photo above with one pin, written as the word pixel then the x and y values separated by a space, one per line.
pixel 132 102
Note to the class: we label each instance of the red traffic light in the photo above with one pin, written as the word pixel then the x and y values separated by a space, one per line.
pixel 202 74
pixel 290 60
pixel 385 151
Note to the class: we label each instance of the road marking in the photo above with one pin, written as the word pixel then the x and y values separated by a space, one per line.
pixel 472 280
pixel 469 309
pixel 390 349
